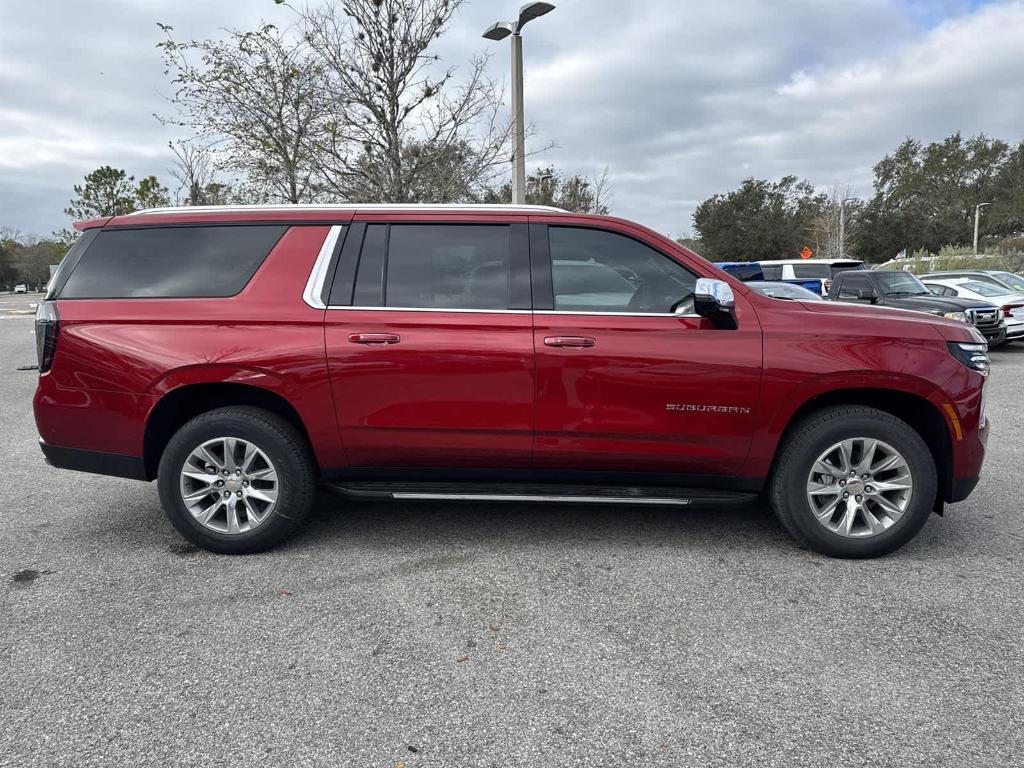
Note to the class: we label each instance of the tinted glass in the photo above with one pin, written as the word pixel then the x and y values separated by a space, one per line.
pixel 900 283
pixel 370 276
pixel 812 270
pixel 851 283
pixel 447 266
pixel 772 271
pixel 744 272
pixel 171 262
pixel 598 271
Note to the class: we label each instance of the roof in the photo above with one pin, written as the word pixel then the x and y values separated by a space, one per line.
pixel 468 207
pixel 809 261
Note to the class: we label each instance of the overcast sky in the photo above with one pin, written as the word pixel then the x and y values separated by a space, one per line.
pixel 680 99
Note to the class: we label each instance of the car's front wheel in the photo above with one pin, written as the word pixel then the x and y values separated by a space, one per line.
pixel 236 480
pixel 854 481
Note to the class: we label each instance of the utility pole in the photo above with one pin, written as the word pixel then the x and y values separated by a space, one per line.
pixel 977 219
pixel 518 124
pixel 499 31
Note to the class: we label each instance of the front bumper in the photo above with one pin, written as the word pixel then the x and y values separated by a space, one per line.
pixel 1014 329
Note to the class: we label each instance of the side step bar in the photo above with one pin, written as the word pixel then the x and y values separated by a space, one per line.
pixel 543 494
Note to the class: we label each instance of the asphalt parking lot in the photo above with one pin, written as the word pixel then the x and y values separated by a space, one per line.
pixel 473 635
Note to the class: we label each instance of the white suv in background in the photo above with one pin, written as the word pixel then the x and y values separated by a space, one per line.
pixel 1011 302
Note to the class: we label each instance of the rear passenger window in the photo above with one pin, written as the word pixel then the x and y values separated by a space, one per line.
pixel 447 266
pixel 171 262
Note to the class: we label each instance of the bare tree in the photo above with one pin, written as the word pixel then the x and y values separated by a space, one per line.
pixel 402 127
pixel 193 170
pixel 549 186
pixel 257 97
pixel 833 226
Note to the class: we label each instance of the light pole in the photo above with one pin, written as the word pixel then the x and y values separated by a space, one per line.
pixel 499 31
pixel 842 226
pixel 977 218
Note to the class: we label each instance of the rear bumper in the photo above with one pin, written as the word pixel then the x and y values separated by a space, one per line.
pixel 96 462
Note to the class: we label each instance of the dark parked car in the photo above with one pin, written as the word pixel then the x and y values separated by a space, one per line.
pixel 903 290
pixel 241 356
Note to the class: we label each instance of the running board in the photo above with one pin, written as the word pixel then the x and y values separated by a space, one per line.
pixel 543 494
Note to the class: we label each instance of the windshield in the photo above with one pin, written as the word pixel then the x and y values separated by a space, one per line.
pixel 1008 278
pixel 983 289
pixel 900 284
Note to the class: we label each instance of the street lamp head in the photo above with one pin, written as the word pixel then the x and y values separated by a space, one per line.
pixel 531 11
pixel 499 31
pixel 982 205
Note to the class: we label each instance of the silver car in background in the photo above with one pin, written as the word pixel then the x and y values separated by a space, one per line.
pixel 1011 302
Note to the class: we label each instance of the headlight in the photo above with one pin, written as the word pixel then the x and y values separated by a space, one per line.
pixel 962 317
pixel 974 356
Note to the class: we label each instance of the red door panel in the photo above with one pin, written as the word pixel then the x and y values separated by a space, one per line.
pixel 432 388
pixel 645 393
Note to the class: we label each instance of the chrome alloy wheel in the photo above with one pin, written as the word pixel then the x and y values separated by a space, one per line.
pixel 859 487
pixel 229 485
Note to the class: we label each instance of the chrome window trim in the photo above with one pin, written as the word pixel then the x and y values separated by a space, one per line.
pixel 510 311
pixel 436 309
pixel 613 314
pixel 313 292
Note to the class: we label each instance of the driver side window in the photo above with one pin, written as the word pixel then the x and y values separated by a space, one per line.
pixel 594 270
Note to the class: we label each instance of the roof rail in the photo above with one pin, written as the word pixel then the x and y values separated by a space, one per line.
pixel 353 207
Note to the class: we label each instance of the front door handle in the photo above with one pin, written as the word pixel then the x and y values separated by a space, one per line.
pixel 374 338
pixel 578 342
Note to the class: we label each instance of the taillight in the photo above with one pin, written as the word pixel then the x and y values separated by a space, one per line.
pixel 47 330
pixel 1008 308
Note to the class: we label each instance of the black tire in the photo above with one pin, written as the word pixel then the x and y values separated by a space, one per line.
pixel 998 340
pixel 279 440
pixel 809 439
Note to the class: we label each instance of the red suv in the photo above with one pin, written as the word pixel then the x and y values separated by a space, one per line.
pixel 239 356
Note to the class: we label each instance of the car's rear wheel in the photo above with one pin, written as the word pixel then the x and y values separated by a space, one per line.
pixel 853 481
pixel 236 480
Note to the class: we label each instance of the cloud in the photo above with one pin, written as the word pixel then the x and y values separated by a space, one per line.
pixel 679 99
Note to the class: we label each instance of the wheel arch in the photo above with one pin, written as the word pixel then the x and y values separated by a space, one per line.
pixel 185 402
pixel 916 410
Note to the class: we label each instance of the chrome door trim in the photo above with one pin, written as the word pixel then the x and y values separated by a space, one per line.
pixel 313 292
pixel 511 311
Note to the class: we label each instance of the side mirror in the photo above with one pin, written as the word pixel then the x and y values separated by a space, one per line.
pixel 714 300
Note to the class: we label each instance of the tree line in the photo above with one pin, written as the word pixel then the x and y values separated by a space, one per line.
pixel 924 201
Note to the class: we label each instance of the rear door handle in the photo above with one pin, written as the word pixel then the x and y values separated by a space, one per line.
pixel 578 342
pixel 374 338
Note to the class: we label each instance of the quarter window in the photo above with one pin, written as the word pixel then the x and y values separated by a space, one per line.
pixel 170 262
pixel 448 266
pixel 596 270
